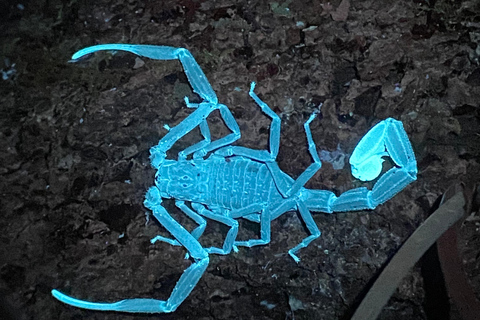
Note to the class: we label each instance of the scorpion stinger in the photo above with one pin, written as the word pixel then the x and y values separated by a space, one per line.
pixel 222 182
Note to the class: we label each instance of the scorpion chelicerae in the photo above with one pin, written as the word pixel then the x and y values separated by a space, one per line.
pixel 224 182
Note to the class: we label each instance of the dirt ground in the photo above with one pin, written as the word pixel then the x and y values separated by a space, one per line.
pixel 75 139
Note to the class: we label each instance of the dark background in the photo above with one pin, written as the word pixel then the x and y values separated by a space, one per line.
pixel 74 141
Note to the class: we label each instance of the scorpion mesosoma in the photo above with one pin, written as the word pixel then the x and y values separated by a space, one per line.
pixel 224 182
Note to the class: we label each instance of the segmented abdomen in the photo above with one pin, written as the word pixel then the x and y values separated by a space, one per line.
pixel 237 182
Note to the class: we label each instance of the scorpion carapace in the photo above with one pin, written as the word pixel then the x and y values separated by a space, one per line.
pixel 224 182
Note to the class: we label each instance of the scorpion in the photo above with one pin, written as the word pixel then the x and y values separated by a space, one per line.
pixel 223 182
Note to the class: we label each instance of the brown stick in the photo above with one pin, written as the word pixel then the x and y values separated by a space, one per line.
pixel 411 251
pixel 459 290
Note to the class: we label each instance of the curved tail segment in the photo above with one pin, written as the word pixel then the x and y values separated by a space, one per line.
pixel 182 289
pixel 200 85
pixel 129 305
pixel 185 284
pixel 386 139
pixel 194 73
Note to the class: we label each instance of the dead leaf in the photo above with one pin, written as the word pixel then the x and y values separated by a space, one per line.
pixel 341 13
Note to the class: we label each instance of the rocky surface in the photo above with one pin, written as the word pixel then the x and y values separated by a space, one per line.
pixel 74 141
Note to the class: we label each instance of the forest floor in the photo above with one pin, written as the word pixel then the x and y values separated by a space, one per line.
pixel 75 139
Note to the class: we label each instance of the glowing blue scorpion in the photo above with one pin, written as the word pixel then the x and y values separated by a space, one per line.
pixel 224 182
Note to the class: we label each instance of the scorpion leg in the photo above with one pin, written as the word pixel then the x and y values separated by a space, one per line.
pixel 205 131
pixel 228 244
pixel 266 216
pixel 201 148
pixel 196 233
pixel 231 124
pixel 264 231
pixel 311 226
pixel 158 152
pixel 254 217
pixel 249 212
pixel 286 185
pixel 314 167
pixel 185 284
pixel 258 155
pixel 269 158
pixel 262 155
pixel 274 126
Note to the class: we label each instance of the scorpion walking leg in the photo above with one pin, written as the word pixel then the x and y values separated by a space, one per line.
pixel 201 148
pixel 231 124
pixel 228 244
pixel 185 284
pixel 196 233
pixel 311 226
pixel 197 217
pixel 253 217
pixel 198 117
pixel 205 131
pixel 266 217
pixel 270 157
pixel 314 167
pixel 258 155
pixel 285 187
pixel 158 152
pixel 264 231
pixel 274 126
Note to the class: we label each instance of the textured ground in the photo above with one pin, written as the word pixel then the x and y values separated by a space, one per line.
pixel 74 141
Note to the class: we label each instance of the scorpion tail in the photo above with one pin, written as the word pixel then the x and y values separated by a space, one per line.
pixel 194 73
pixel 129 305
pixel 182 289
